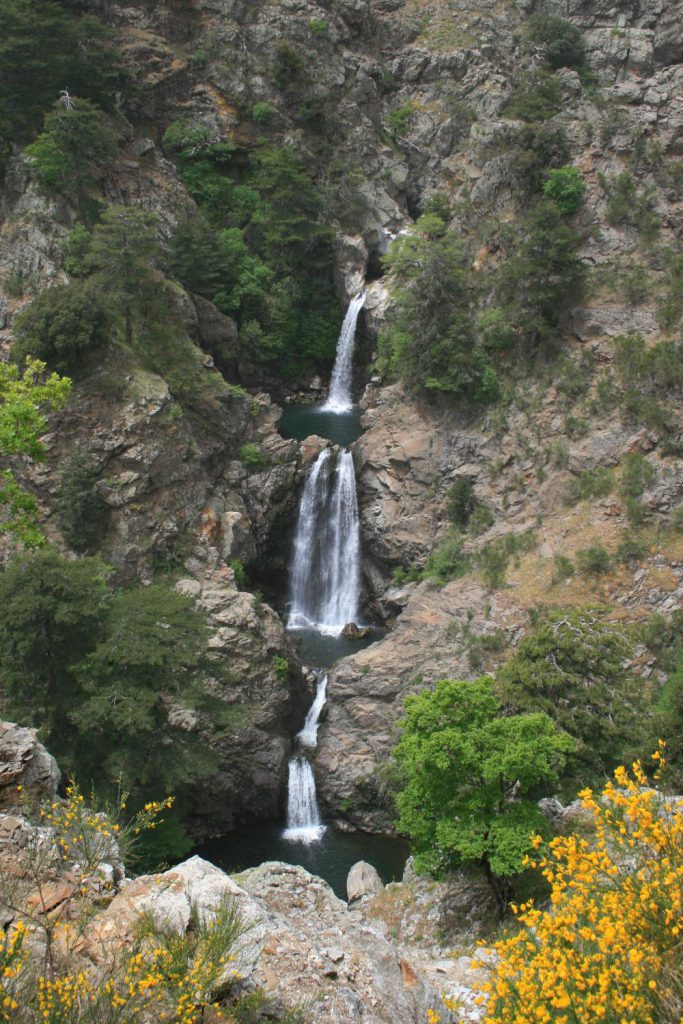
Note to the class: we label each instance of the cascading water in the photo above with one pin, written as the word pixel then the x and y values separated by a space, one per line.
pixel 303 817
pixel 326 560
pixel 308 736
pixel 339 398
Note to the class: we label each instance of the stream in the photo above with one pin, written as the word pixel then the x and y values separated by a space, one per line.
pixel 324 597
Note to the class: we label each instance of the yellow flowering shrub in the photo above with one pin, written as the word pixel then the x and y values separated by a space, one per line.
pixel 609 946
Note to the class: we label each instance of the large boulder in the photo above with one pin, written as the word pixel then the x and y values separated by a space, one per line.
pixel 363 880
pixel 26 768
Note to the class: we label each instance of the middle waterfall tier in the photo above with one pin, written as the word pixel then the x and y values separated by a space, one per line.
pixel 325 575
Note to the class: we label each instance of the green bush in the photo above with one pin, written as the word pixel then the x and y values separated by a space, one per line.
pixel 262 112
pixel 82 513
pixel 594 560
pixel 538 148
pixel 560 41
pixel 536 96
pixel 74 148
pixel 566 187
pixel 400 118
pixel 635 512
pixel 493 561
pixel 637 474
pixel 563 568
pixel 671 306
pixel 595 483
pixel 288 67
pixel 630 549
pixel 629 205
pixel 447 562
pixel 253 456
pixel 318 26
pixel 481 519
pixel 64 326
pixel 461 501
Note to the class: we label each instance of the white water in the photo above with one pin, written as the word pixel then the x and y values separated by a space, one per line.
pixel 308 736
pixel 303 818
pixel 339 398
pixel 326 559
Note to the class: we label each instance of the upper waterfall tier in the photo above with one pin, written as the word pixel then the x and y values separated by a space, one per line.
pixel 326 560
pixel 339 398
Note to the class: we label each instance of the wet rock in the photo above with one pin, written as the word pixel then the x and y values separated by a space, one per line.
pixel 353 632
pixel 363 880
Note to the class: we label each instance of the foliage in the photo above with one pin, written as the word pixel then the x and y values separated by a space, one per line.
pixel 571 667
pixel 560 41
pixel 74 147
pixel 288 67
pixel 252 455
pixel 538 148
pixel 45 47
pixel 536 96
pixel 399 119
pixel 82 513
pixel 629 205
pixel 63 326
pixel 462 501
pixel 594 560
pixel 637 474
pixel 671 307
pixel 262 112
pixel 114 682
pixel 24 397
pixel 460 762
pixel 608 947
pixel 429 341
pixel 566 187
pixel 494 558
pixel 596 483
pixel 542 273
pixel 563 568
pixel 630 549
pixel 447 562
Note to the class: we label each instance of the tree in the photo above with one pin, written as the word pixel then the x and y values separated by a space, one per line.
pixel 52 612
pixel 63 325
pixel 82 513
pixel 76 143
pixel 466 775
pixel 124 252
pixel 430 340
pixel 24 397
pixel 566 187
pixel 140 691
pixel 559 41
pixel 572 668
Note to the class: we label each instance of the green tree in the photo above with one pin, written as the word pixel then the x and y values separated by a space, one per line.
pixel 46 48
pixel 124 253
pixel 74 147
pixel 560 42
pixel 63 325
pixel 52 612
pixel 24 398
pixel 466 777
pixel 566 187
pixel 572 668
pixel 82 513
pixel 140 689
pixel 430 340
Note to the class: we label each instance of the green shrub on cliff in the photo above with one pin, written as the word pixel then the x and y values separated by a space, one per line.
pixel 63 326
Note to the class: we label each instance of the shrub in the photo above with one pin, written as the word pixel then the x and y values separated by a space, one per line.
pixel 253 456
pixel 635 512
pixel 538 148
pixel 400 118
pixel 461 501
pixel 63 326
pixel 563 568
pixel 594 560
pixel 571 666
pixel 262 112
pixel 637 474
pixel 629 205
pixel 447 562
pixel 630 549
pixel 596 483
pixel 566 187
pixel 610 936
pixel 289 65
pixel 493 561
pixel 82 513
pixel 481 519
pixel 318 26
pixel 536 96
pixel 560 41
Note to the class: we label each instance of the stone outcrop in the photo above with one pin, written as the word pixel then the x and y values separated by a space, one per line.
pixel 27 770
pixel 301 945
pixel 362 882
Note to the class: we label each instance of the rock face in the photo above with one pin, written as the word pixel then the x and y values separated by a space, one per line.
pixel 363 880
pixel 25 767
pixel 301 944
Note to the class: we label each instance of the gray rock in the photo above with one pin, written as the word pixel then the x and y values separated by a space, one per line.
pixel 25 763
pixel 363 880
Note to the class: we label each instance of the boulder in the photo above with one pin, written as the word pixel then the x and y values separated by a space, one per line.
pixel 25 763
pixel 363 880
pixel 353 632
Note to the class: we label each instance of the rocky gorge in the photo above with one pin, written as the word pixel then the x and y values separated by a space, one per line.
pixel 397 109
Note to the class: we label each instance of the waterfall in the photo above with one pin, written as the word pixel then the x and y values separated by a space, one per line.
pixel 308 736
pixel 326 559
pixel 303 817
pixel 339 398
